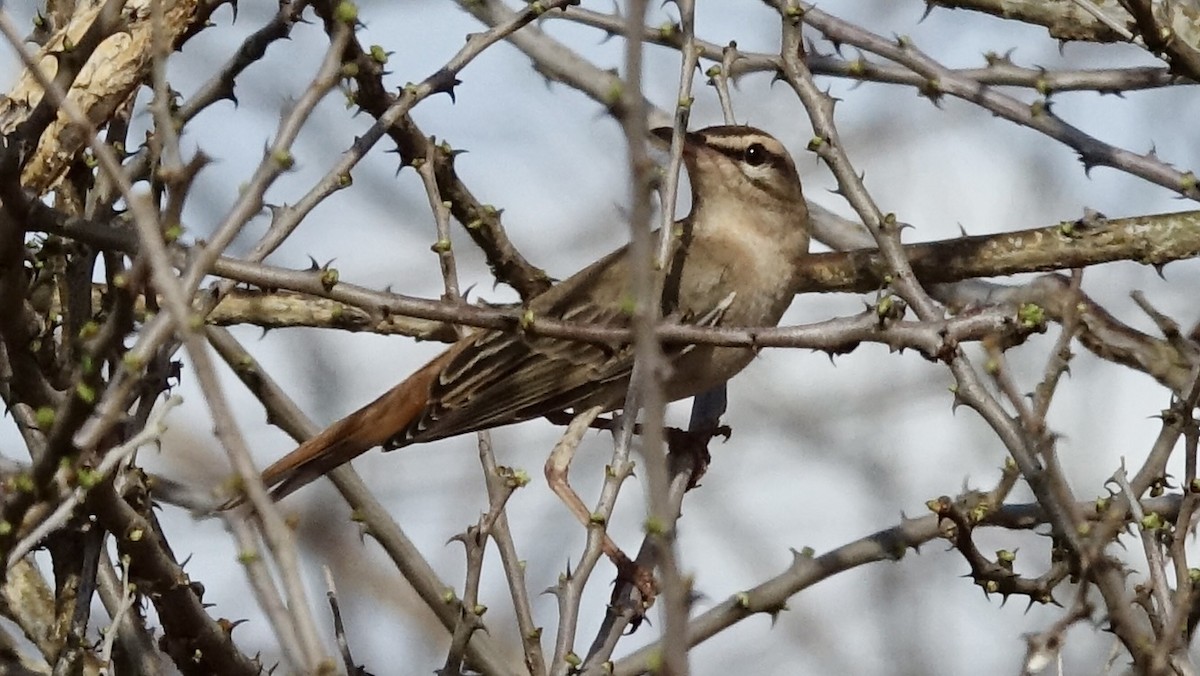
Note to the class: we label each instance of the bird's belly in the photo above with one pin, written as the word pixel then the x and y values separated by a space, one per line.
pixel 703 368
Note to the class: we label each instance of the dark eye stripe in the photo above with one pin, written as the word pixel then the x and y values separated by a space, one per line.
pixel 737 154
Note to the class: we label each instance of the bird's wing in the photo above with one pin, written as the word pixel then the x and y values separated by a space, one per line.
pixel 506 377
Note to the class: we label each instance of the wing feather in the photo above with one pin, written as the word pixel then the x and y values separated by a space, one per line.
pixel 507 377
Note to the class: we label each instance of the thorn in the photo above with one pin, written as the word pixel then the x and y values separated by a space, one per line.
pixel 444 81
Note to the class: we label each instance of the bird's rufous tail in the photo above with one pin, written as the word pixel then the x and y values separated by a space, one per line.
pixel 368 427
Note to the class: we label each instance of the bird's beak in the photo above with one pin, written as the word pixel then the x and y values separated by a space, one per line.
pixel 663 135
pixel 661 138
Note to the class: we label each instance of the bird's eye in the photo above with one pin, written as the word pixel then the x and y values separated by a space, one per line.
pixel 755 154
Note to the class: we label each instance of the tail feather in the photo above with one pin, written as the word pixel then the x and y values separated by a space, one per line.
pixel 370 426
pixel 337 444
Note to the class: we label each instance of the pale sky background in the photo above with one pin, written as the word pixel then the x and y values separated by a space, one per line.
pixel 823 451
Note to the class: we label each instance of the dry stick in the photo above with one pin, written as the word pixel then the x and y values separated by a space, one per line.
pixel 1048 485
pixel 718 77
pixel 1003 377
pixel 500 483
pixel 1092 151
pixel 482 651
pixel 644 387
pixel 216 88
pixel 175 292
pixel 257 569
pixel 1163 40
pixel 645 395
pixel 220 85
pixel 482 221
pixel 999 71
pixel 474 539
pixel 625 607
pixel 53 96
pixel 441 215
pixel 137 642
pixel 1185 587
pixel 142 212
pixel 997 366
pixel 1150 239
pixel 1045 647
pixel 145 220
pixel 469 618
pixel 175 302
pixel 555 61
pixel 569 590
pixel 1155 466
pixel 661 516
pixel 1056 366
pixel 150 433
pixel 179 316
pixel 30 605
pixel 75 589
pixel 126 603
pixel 835 334
pixel 18 663
pixel 41 125
pixel 806 570
pixel 299 631
pixel 514 571
pixel 1116 27
pixel 201 644
pixel 1058 362
pixel 166 135
pixel 1173 613
pixel 1159 593
pixel 339 629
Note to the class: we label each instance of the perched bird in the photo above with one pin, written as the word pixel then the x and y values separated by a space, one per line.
pixel 736 263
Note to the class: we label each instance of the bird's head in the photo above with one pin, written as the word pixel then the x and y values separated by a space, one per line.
pixel 741 164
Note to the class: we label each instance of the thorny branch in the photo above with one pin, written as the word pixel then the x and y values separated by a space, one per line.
pixel 85 355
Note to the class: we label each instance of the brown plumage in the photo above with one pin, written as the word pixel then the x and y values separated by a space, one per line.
pixel 736 262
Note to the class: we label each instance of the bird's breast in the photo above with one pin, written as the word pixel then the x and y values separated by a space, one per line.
pixel 758 270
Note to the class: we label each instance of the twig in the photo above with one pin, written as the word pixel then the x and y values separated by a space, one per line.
pixel 1000 71
pixel 569 590
pixel 718 77
pixel 769 597
pixel 482 651
pixel 942 80
pixel 1113 24
pixel 110 633
pixel 151 433
pixel 339 629
pixel 500 483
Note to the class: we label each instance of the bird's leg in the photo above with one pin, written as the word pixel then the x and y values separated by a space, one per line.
pixel 691 446
pixel 557 467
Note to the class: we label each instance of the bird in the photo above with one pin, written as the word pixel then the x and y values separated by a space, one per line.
pixel 736 263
